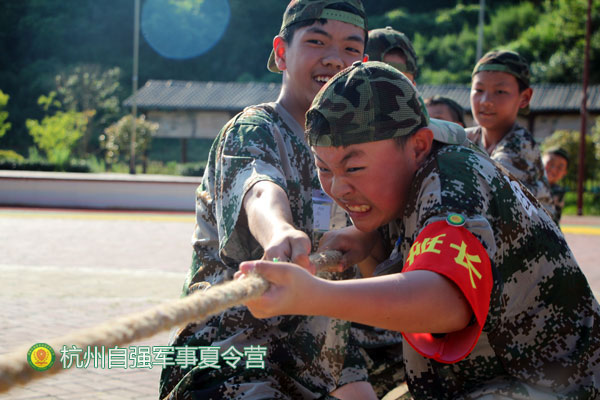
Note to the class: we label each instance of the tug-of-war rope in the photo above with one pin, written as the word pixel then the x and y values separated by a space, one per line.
pixel 15 370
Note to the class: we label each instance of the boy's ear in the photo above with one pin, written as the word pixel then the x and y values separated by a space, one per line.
pixel 422 142
pixel 279 50
pixel 525 97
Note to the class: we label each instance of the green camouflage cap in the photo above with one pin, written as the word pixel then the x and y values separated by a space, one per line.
pixel 302 10
pixel 505 61
pixel 381 41
pixel 509 62
pixel 559 151
pixel 368 102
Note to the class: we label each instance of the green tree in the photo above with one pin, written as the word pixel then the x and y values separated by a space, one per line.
pixel 56 135
pixel 4 124
pixel 555 44
pixel 596 141
pixel 116 140
pixel 89 87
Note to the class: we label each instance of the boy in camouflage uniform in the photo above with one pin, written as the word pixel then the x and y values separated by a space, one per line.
pixel 499 91
pixel 481 282
pixel 556 164
pixel 440 107
pixel 256 200
pixel 393 48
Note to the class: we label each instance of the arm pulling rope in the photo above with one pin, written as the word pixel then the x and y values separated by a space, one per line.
pixel 14 368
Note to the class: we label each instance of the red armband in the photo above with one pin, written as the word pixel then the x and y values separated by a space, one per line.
pixel 449 249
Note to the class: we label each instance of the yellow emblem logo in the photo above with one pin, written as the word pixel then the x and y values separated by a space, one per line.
pixel 41 357
pixel 455 219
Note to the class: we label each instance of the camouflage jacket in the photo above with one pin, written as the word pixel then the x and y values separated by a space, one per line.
pixel 306 357
pixel 558 194
pixel 541 338
pixel 520 155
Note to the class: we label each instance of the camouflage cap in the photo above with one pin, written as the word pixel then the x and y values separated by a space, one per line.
pixel 505 61
pixel 302 10
pixel 381 41
pixel 368 102
pixel 559 151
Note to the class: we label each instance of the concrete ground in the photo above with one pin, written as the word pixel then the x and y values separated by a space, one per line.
pixel 62 270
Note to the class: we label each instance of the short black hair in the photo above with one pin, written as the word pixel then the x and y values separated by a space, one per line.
pixel 288 32
pixel 402 140
pixel 522 85
pixel 458 113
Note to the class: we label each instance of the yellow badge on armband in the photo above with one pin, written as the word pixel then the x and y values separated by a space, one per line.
pixel 455 219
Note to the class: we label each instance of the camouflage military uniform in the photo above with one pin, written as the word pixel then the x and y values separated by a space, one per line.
pixel 306 357
pixel 540 337
pixel 520 155
pixel 558 201
pixel 539 341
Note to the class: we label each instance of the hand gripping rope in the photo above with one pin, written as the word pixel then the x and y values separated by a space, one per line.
pixel 14 368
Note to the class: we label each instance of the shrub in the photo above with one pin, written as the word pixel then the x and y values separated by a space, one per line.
pixel 9 155
pixel 43 166
pixel 56 135
pixel 116 140
pixel 192 169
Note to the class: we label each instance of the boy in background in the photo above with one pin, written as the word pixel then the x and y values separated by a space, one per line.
pixel 258 198
pixel 444 108
pixel 499 91
pixel 483 291
pixel 556 164
pixel 393 48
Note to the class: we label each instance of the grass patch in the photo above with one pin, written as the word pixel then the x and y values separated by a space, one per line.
pixel 591 203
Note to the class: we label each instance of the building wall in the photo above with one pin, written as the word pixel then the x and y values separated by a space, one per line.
pixel 189 124
pixel 207 124
pixel 545 125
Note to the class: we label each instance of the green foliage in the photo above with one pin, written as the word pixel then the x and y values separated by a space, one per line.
pixel 91 163
pixel 160 168
pixel 28 165
pixel 4 125
pixel 508 23
pixel 56 135
pixel 89 87
pixel 192 169
pixel 591 203
pixel 442 51
pixel 34 155
pixel 116 140
pixel 569 141
pixel 555 45
pixel 49 102
pixel 43 39
pixel 9 155
pixel 596 139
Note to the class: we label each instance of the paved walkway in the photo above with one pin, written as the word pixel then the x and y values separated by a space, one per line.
pixel 64 270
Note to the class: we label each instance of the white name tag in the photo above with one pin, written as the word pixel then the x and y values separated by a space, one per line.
pixel 321 210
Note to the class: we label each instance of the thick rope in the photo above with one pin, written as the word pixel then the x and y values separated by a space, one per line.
pixel 14 368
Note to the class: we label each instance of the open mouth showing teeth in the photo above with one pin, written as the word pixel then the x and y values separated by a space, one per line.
pixel 362 208
pixel 322 79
